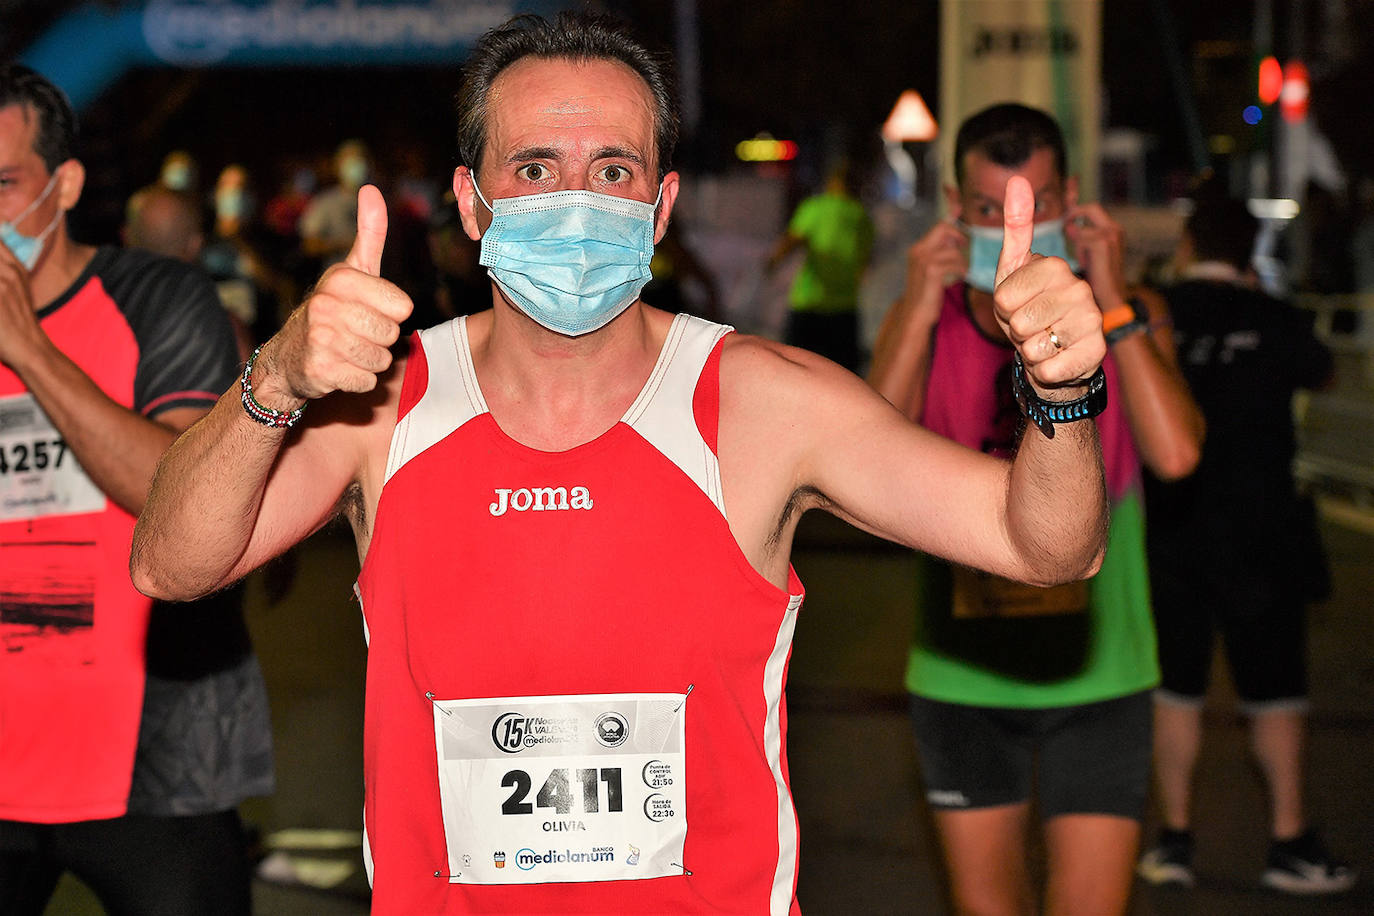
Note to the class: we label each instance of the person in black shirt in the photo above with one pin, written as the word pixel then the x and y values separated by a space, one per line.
pixel 1227 546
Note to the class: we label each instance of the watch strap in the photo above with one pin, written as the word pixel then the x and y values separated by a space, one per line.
pixel 1044 413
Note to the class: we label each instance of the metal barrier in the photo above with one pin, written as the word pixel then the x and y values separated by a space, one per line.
pixel 1336 426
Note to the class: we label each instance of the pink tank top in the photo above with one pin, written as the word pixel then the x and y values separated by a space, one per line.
pixel 969 398
pixel 575 677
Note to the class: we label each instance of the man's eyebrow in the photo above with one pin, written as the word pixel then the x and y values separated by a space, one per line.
pixel 618 152
pixel 524 154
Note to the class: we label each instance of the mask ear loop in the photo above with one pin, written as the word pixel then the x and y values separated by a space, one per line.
pixel 478 191
pixel 43 236
pixel 36 201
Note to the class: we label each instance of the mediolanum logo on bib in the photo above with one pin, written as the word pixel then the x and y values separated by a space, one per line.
pixel 540 499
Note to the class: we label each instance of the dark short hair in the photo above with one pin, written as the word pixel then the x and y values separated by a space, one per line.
pixel 571 36
pixel 21 85
pixel 1008 134
pixel 1222 229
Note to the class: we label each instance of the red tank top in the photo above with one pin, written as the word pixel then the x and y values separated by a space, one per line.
pixel 575 677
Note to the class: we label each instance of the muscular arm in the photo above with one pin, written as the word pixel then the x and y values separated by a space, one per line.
pixel 232 493
pixel 1038 519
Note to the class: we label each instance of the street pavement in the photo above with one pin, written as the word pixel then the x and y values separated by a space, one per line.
pixel 867 843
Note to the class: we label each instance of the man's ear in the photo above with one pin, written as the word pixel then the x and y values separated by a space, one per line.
pixel 71 179
pixel 464 185
pixel 665 205
pixel 1071 192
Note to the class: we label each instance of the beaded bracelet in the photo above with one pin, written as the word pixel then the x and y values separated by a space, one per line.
pixel 267 416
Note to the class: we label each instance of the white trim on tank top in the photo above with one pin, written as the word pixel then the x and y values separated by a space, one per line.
pixel 662 413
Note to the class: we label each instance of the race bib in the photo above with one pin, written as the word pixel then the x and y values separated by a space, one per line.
pixel 567 788
pixel 38 475
pixel 979 594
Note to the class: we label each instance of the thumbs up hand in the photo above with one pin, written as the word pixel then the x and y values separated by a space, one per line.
pixel 339 338
pixel 1047 313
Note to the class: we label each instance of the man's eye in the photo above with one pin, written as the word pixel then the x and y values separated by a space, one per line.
pixel 615 173
pixel 534 172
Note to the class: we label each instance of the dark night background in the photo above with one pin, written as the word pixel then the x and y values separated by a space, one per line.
pixel 817 71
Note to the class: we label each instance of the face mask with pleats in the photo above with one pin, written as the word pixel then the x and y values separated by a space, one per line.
pixel 985 247
pixel 570 260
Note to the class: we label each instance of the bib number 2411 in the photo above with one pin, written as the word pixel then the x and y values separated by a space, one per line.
pixel 563 788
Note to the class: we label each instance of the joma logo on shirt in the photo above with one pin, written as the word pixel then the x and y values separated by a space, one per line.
pixel 540 499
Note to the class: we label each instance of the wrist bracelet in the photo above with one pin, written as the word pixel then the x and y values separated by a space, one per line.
pixel 1125 320
pixel 265 415
pixel 1044 414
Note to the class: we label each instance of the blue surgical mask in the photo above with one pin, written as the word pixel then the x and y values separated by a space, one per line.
pixel 571 260
pixel 28 248
pixel 985 247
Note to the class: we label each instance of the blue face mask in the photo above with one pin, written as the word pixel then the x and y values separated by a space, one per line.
pixel 571 260
pixel 27 248
pixel 985 247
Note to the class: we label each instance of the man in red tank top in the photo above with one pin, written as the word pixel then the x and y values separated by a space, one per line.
pixel 574 512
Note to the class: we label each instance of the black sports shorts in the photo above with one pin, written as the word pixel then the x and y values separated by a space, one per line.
pixel 1263 625
pixel 1088 759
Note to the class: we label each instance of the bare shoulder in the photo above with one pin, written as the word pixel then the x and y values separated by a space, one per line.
pixel 763 378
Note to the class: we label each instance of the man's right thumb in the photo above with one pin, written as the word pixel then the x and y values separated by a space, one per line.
pixel 366 253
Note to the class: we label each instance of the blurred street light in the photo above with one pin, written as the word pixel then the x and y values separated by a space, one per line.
pixel 910 121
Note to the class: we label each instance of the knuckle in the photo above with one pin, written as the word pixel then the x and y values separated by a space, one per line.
pixel 320 337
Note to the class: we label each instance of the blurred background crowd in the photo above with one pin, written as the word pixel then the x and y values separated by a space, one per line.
pixel 234 134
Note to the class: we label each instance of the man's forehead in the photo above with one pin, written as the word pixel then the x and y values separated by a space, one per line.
pixel 18 128
pixel 986 178
pixel 18 117
pixel 537 94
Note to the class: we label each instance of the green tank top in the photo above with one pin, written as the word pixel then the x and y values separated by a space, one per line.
pixel 1042 662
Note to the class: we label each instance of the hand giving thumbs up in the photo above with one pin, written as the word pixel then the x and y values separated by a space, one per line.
pixel 1047 313
pixel 339 338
